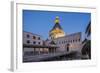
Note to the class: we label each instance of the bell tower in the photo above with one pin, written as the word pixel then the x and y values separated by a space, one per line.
pixel 57 30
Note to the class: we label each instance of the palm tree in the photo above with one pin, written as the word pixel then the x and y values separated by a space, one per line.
pixel 86 49
pixel 88 29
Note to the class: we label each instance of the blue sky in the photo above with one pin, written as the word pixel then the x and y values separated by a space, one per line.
pixel 41 22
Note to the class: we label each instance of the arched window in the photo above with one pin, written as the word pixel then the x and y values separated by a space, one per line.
pixel 34 42
pixel 28 35
pixel 28 41
pixel 34 37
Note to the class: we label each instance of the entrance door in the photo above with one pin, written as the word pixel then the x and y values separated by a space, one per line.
pixel 67 47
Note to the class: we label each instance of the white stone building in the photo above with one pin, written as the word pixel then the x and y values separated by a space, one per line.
pixel 69 43
pixel 31 39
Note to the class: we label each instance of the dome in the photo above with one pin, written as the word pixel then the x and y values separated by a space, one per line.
pixel 57 30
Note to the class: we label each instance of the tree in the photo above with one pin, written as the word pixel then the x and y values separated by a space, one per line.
pixel 86 49
pixel 88 29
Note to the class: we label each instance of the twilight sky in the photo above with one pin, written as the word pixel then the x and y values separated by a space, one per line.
pixel 41 22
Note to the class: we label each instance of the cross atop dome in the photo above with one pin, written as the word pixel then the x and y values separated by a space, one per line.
pixel 57 20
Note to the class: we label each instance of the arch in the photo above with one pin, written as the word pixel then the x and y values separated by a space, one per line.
pixel 67 47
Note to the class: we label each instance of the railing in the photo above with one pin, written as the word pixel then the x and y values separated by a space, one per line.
pixel 39 46
pixel 42 57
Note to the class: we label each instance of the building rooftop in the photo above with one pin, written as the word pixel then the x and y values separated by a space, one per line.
pixel 32 33
pixel 70 35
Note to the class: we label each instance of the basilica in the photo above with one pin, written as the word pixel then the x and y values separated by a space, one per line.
pixel 68 43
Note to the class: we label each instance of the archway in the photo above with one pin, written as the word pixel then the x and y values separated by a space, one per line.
pixel 67 47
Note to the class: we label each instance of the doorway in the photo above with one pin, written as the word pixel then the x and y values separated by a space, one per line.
pixel 67 47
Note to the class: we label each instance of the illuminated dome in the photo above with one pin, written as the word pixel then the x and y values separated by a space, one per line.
pixel 57 30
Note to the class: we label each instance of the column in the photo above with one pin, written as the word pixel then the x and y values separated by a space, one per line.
pixel 34 51
pixel 38 51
